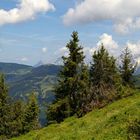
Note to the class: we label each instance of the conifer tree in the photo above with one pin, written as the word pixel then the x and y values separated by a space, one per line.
pixel 15 118
pixel 72 80
pixel 31 115
pixel 4 108
pixel 103 76
pixel 10 113
pixel 127 67
pixel 17 112
pixel 84 92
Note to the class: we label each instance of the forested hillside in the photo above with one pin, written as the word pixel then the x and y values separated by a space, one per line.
pixel 13 68
pixel 22 80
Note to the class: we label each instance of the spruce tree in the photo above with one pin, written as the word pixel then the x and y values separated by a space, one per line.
pixel 15 117
pixel 103 76
pixel 17 112
pixel 10 113
pixel 127 67
pixel 4 108
pixel 31 115
pixel 72 80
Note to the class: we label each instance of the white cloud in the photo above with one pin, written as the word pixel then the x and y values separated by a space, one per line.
pixel 44 50
pixel 135 49
pixel 25 10
pixel 123 13
pixel 108 42
pixel 89 51
pixel 24 59
pixel 62 52
pixel 138 61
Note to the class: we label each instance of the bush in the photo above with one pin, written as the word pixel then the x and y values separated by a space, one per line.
pixel 134 130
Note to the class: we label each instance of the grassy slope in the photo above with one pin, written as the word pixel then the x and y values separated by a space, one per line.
pixel 109 123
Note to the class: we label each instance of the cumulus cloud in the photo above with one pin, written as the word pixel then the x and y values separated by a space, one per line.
pixel 62 52
pixel 108 42
pixel 25 10
pixel 123 13
pixel 135 49
pixel 44 50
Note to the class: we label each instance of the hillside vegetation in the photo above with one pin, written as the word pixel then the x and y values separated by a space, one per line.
pixel 22 80
pixel 40 79
pixel 13 69
pixel 108 123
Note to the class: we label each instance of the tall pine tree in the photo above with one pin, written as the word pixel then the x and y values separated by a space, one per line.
pixel 4 108
pixel 15 117
pixel 17 113
pixel 103 76
pixel 31 115
pixel 72 83
pixel 127 67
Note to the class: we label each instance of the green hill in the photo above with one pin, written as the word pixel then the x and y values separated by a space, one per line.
pixel 23 79
pixel 13 68
pixel 108 123
pixel 40 79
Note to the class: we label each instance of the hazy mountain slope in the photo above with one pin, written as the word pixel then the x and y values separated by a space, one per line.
pixel 40 79
pixel 22 80
pixel 108 123
pixel 13 68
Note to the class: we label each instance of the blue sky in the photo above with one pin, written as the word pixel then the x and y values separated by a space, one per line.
pixel 44 34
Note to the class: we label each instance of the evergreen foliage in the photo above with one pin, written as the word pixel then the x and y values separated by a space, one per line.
pixel 4 108
pixel 104 77
pixel 30 118
pixel 127 68
pixel 72 84
pixel 16 118
pixel 16 124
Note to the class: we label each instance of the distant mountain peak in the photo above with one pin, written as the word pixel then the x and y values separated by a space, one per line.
pixel 40 63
